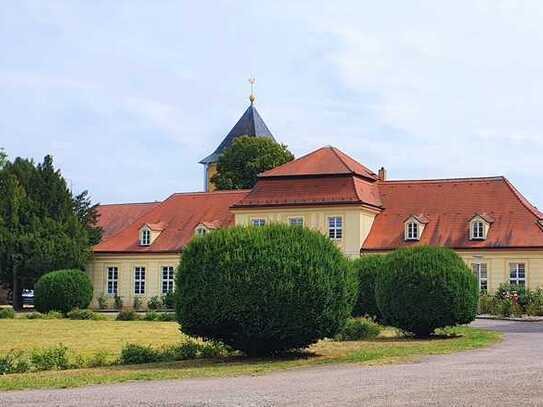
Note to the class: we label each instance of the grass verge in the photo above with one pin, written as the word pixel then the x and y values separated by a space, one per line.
pixel 386 349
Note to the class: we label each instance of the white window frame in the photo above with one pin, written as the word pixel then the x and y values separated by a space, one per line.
pixel 201 231
pixel 169 282
pixel 481 272
pixel 112 280
pixel 145 237
pixel 258 222
pixel 515 270
pixel 139 280
pixel 335 227
pixel 296 221
pixel 478 228
pixel 412 230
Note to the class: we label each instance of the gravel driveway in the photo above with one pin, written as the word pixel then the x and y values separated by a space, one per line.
pixel 508 374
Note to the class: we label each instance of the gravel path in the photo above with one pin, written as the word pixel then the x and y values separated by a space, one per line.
pixel 509 374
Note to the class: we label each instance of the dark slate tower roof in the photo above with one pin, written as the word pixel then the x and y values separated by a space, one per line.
pixel 250 124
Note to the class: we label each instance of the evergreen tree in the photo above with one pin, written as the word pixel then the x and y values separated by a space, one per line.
pixel 42 226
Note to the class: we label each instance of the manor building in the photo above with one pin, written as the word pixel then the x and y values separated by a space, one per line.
pixel 487 221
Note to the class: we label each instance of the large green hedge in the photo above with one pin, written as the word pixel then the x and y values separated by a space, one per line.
pixel 366 269
pixel 425 288
pixel 63 291
pixel 263 290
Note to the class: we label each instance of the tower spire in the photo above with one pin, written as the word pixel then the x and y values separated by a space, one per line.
pixel 252 81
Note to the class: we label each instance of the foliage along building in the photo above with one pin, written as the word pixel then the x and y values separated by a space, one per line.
pixel 487 221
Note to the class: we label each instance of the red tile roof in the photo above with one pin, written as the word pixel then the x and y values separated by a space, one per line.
pixel 449 205
pixel 180 214
pixel 115 217
pixel 329 190
pixel 324 161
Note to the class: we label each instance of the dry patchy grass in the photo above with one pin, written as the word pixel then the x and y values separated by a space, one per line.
pixel 89 337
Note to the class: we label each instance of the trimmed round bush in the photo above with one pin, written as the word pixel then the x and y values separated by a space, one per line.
pixel 366 269
pixel 425 288
pixel 63 291
pixel 265 289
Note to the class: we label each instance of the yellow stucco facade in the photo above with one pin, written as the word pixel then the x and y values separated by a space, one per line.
pixel 356 222
pixel 126 265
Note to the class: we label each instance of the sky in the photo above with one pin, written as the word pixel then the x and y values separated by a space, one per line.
pixel 129 95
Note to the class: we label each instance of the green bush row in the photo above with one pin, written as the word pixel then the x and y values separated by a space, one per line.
pixel 133 354
pixel 131 315
pixel 60 358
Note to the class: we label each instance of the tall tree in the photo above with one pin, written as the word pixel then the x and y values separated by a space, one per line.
pixel 241 163
pixel 42 226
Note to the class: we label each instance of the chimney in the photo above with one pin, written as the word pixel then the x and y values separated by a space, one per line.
pixel 382 174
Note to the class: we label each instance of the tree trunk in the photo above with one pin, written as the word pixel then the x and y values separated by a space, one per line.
pixel 17 291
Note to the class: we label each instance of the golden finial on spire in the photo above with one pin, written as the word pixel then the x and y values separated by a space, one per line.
pixel 252 81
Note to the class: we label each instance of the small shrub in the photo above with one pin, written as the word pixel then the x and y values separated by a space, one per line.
pixel 184 351
pixel 137 303
pixel 50 358
pixel 487 304
pixel 167 317
pixel 7 313
pixel 534 310
pixel 127 315
pixel 517 310
pixel 154 303
pixel 366 269
pixel 212 350
pixel 7 363
pixel 168 300
pixel 504 307
pixel 85 314
pixel 34 315
pixel 99 359
pixel 63 291
pixel 118 302
pixel 357 329
pixel 264 290
pixel 424 288
pixel 103 302
pixel 133 354
pixel 512 292
pixel 151 316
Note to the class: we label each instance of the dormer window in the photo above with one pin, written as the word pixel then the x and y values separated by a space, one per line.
pixel 149 232
pixel 477 230
pixel 201 231
pixel 145 237
pixel 412 231
pixel 479 226
pixel 414 226
pixel 206 227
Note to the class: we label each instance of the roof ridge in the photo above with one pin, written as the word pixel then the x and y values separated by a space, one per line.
pixel 435 180
pixel 334 150
pixel 130 203
pixel 224 191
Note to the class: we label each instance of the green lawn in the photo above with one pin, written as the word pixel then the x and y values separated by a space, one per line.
pixel 88 337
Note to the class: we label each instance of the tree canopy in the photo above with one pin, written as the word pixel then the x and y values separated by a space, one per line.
pixel 240 164
pixel 43 227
